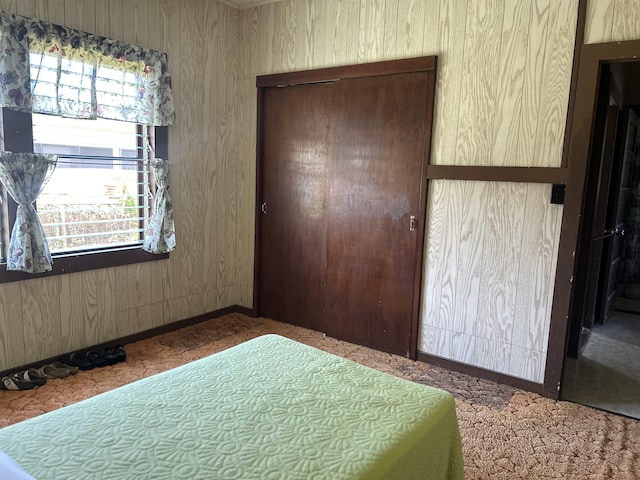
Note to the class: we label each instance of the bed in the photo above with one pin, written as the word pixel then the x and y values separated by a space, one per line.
pixel 270 408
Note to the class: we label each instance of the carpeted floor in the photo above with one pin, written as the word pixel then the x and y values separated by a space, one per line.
pixel 506 433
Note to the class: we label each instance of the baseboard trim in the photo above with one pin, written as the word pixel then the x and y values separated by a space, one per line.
pixel 481 373
pixel 136 337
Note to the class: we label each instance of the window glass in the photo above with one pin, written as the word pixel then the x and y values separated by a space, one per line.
pixel 98 196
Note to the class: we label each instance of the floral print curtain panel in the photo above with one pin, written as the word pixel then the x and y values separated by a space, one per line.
pixel 24 175
pixel 160 236
pixel 51 69
pixel 47 68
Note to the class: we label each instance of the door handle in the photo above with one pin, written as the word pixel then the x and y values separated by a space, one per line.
pixel 263 208
pixel 610 233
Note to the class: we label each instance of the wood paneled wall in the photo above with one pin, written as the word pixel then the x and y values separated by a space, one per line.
pixel 45 317
pixel 504 71
pixel 612 21
pixel 503 85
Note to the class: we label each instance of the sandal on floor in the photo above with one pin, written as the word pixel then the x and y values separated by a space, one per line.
pixel 51 371
pixel 120 353
pixel 110 355
pixel 32 375
pixel 78 359
pixel 11 382
pixel 63 366
pixel 97 359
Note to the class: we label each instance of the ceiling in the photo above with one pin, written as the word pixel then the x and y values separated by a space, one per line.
pixel 247 3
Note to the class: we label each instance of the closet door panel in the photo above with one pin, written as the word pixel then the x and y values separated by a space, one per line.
pixel 296 149
pixel 377 143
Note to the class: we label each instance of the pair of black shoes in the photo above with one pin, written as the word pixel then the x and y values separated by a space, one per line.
pixel 89 359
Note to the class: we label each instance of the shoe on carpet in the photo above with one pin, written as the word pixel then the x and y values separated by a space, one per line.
pixel 110 355
pixel 78 359
pixel 63 366
pixel 121 353
pixel 32 375
pixel 54 370
pixel 97 359
pixel 12 382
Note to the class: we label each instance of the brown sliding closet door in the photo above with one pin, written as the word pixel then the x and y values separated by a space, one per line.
pixel 341 198
pixel 297 137
pixel 378 139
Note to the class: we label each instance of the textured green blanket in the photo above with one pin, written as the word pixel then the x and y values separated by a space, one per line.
pixel 270 408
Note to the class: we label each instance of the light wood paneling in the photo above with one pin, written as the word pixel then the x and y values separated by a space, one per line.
pixel 12 332
pixel 491 257
pixel 41 318
pixel 50 316
pixel 612 20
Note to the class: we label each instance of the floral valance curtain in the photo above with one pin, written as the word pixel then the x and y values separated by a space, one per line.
pixel 24 175
pixel 47 68
pixel 160 235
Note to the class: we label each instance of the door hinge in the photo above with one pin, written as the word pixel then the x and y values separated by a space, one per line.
pixel 412 223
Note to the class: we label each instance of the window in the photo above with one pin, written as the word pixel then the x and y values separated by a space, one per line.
pixel 97 203
pixel 96 197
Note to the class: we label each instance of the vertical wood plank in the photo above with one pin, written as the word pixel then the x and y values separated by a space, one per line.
pixel 72 313
pixel 354 25
pixel 471 202
pixel 246 181
pixel 191 187
pixel 57 11
pixel 390 33
pixel 41 317
pixel 599 24
pixel 284 37
pixel 80 15
pixel 12 333
pixel 227 144
pixel 8 6
pixel 508 130
pixel 532 297
pixel 372 24
pixel 116 8
pixel 107 305
pixel 129 21
pixel 520 141
pixel 248 33
pixel 336 28
pixel 102 18
pixel 428 20
pixel 556 82
pixel 214 48
pixel 626 20
pixel 33 8
pixel 435 261
pixel 141 22
pixel 171 269
pixel 451 34
pixel 478 94
pixel 504 225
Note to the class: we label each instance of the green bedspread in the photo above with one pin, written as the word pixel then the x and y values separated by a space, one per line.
pixel 270 408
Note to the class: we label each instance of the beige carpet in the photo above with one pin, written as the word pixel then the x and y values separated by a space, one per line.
pixel 506 433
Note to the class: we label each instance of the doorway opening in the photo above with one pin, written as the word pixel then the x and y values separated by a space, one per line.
pixel 602 364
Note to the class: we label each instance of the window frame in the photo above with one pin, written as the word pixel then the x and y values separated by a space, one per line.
pixel 16 131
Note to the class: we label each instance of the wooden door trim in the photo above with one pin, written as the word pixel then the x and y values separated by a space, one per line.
pixel 392 67
pixel 422 214
pixel 498 174
pixel 579 150
pixel 333 74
